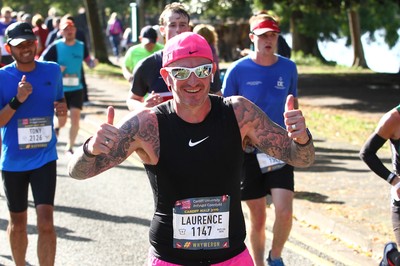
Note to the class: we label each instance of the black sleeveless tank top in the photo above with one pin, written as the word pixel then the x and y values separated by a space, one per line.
pixel 196 160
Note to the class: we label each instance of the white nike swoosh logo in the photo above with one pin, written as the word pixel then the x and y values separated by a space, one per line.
pixel 192 144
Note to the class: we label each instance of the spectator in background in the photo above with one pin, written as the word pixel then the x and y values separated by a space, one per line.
pixel 14 15
pixel 51 14
pixel 5 21
pixel 27 18
pixel 126 41
pixel 41 32
pixel 54 34
pixel 19 15
pixel 81 24
pixel 147 46
pixel 211 36
pixel 114 32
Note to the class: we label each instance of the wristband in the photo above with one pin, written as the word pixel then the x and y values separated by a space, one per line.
pixel 85 149
pixel 390 178
pixel 14 103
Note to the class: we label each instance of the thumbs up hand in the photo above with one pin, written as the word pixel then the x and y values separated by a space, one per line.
pixel 106 137
pixel 24 89
pixel 110 115
pixel 295 122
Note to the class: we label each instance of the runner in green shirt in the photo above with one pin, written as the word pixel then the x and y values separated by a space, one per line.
pixel 147 46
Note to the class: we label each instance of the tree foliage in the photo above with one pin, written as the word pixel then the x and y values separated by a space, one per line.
pixel 382 14
pixel 312 20
pixel 220 9
pixel 42 7
pixel 332 19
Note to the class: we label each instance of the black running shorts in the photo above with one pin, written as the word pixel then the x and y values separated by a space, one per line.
pixel 74 99
pixel 255 185
pixel 43 185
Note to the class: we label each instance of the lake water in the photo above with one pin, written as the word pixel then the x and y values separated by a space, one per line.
pixel 378 55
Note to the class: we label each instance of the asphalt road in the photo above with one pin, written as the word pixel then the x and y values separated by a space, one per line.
pixel 105 220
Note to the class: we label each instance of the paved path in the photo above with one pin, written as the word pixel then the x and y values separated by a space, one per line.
pixel 338 195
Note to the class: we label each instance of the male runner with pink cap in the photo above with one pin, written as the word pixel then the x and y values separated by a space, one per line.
pixel 192 149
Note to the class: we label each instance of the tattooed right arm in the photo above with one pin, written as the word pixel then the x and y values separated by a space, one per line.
pixel 123 141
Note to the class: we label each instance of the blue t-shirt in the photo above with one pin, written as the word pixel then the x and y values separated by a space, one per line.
pixel 29 140
pixel 70 56
pixel 266 86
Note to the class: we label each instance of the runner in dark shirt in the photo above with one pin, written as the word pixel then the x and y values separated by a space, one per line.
pixel 388 129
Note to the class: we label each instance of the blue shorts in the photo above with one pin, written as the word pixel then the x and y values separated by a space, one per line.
pixel 43 185
pixel 255 185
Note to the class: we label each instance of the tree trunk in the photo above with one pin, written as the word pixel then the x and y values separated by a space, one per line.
pixel 300 42
pixel 141 14
pixel 355 32
pixel 96 32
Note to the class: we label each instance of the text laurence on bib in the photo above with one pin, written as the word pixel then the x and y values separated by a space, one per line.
pixel 201 223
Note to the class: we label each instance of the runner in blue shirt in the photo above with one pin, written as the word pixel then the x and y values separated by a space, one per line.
pixel 266 79
pixel 30 91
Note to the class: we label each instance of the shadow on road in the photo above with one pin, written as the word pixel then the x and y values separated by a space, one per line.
pixel 371 93
pixel 315 197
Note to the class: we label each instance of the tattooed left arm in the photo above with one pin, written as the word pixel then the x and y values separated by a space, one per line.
pixel 259 130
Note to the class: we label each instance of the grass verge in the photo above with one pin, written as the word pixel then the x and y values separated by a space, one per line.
pixel 341 126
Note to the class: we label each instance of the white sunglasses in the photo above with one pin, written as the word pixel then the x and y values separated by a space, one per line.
pixel 182 73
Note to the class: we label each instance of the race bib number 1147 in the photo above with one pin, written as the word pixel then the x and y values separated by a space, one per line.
pixel 201 223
